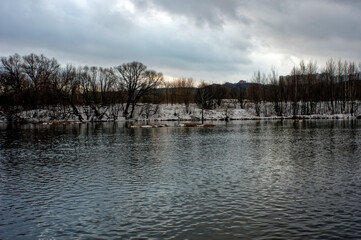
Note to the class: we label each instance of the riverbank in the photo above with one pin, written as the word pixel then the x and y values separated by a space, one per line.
pixel 227 111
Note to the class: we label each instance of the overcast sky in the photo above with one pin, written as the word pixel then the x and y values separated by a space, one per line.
pixel 211 40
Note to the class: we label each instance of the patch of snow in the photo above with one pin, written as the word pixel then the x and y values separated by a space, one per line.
pixel 178 112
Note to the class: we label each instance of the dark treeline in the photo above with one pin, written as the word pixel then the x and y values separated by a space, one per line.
pixel 34 81
pixel 37 82
pixel 338 84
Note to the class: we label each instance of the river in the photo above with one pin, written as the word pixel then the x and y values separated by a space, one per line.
pixel 240 180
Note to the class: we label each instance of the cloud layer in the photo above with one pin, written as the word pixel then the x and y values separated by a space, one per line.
pixel 212 40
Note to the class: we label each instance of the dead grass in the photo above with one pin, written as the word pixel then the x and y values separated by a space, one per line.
pixel 192 124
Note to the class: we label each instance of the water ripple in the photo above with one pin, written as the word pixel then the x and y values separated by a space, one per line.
pixel 264 180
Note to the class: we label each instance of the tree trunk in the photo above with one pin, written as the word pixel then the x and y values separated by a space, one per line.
pixel 202 114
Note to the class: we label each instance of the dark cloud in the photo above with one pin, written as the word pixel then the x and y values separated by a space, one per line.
pixel 212 12
pixel 210 39
pixel 315 20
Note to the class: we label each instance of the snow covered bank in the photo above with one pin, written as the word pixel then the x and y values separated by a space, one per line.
pixel 229 110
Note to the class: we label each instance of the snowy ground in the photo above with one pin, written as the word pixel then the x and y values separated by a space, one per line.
pixel 176 112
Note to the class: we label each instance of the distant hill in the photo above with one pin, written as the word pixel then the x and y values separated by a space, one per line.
pixel 241 83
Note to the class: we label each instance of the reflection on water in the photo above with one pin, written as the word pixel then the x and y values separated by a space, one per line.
pixel 253 179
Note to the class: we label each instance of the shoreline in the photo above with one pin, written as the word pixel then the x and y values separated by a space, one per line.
pixel 171 113
pixel 182 121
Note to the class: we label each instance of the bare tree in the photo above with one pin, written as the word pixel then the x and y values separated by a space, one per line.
pixel 67 87
pixel 254 92
pixel 330 74
pixel 352 73
pixel 295 87
pixel 184 90
pixel 312 91
pixel 40 71
pixel 99 92
pixel 273 77
pixel 14 72
pixel 167 91
pixel 204 97
pixel 220 92
pixel 136 81
pixel 239 92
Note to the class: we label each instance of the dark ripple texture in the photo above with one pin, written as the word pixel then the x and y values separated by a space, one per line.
pixel 244 180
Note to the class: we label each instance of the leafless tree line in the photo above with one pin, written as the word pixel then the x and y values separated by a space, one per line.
pixel 338 84
pixel 305 90
pixel 35 82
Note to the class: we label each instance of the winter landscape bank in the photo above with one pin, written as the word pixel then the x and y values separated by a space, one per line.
pixel 228 110
pixel 34 88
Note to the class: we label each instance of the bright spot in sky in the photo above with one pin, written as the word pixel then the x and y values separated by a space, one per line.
pixel 125 5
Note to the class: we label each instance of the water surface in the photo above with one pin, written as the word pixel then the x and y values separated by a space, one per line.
pixel 251 179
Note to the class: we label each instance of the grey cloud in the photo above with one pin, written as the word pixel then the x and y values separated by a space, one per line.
pixel 212 12
pixel 315 28
pixel 312 29
pixel 316 19
pixel 62 25
pixel 209 39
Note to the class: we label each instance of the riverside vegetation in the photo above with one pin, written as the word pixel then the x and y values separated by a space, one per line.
pixel 37 88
